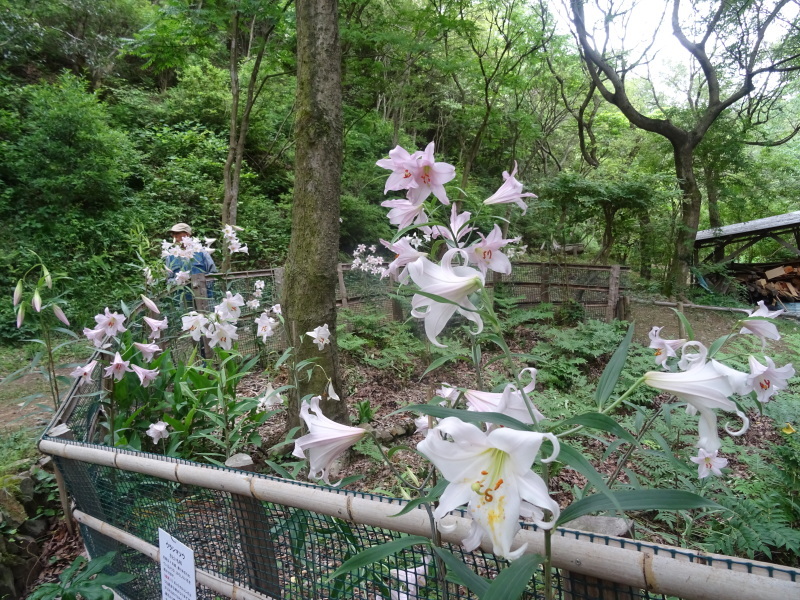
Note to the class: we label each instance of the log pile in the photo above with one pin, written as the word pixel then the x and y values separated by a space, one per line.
pixel 780 281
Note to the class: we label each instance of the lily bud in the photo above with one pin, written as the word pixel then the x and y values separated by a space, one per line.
pixel 36 301
pixel 150 305
pixel 20 315
pixel 60 314
pixel 48 279
pixel 18 292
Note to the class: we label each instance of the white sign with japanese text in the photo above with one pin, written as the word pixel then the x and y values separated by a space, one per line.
pixel 177 569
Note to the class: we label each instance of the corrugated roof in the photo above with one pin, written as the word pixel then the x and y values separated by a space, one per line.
pixel 749 227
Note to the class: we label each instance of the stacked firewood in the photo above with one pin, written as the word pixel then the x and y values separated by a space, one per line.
pixel 771 281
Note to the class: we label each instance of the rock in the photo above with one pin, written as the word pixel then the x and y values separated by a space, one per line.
pixel 616 526
pixel 34 527
pixel 7 587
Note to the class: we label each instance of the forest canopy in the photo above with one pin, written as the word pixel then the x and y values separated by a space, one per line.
pixel 118 118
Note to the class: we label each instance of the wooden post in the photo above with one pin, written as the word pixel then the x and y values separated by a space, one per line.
pixel 253 525
pixel 64 433
pixel 342 289
pixel 277 289
pixel 613 293
pixel 544 294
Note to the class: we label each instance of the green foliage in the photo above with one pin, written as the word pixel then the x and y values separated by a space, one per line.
pixel 83 579
pixel 564 356
pixel 365 412
pixel 374 341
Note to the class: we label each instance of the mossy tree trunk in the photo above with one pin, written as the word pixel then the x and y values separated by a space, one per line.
pixel 310 278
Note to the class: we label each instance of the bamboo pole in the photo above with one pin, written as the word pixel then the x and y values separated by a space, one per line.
pixel 211 581
pixel 688 305
pixel 642 569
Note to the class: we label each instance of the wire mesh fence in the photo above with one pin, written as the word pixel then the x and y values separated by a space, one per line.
pixel 287 549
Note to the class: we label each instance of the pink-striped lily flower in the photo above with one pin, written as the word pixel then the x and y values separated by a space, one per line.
pixel 458 227
pixel 510 192
pixel 117 368
pixel 454 284
pixel 195 323
pixel 664 349
pixel 404 253
pixel 325 440
pixel 151 306
pixel 491 473
pixel 148 350
pixel 158 431
pixel 96 336
pixel 763 329
pixel 222 333
pixel 230 307
pixel 145 375
pixel 111 323
pixel 84 373
pixel 276 308
pixel 321 336
pixel 767 380
pixel 265 326
pixel 405 212
pixel 486 253
pixel 510 402
pixel 156 327
pixel 400 163
pixel 704 388
pixel 708 463
pixel 430 176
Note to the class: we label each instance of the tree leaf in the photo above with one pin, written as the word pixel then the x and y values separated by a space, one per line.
pixel 467 416
pixel 461 573
pixel 636 500
pixel 511 582
pixel 601 422
pixel 687 327
pixel 610 377
pixel 378 552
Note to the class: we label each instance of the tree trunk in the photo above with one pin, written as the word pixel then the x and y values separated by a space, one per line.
pixel 712 195
pixel 691 201
pixel 310 278
pixel 645 246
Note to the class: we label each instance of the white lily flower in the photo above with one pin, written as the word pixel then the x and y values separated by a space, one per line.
pixel 84 373
pixel 151 306
pixel 156 327
pixel 229 307
pixel 413 579
pixel 147 350
pixel 110 323
pixel 325 440
pixel 321 336
pixel 404 253
pixel 454 284
pixel 332 395
pixel 510 402
pixel 117 368
pixel 510 192
pixel 195 324
pixel 708 463
pixel 276 308
pixel 491 473
pixel 690 360
pixel 664 349
pixel 265 326
pixel 158 431
pixel 96 336
pixel 763 329
pixel 768 380
pixel 704 388
pixel 182 277
pixel 458 227
pixel 222 333
pixel 269 399
pixel 145 375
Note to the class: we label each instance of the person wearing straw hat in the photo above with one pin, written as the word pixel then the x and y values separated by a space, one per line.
pixel 182 268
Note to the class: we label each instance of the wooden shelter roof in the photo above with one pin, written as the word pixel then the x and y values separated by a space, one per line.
pixel 730 233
